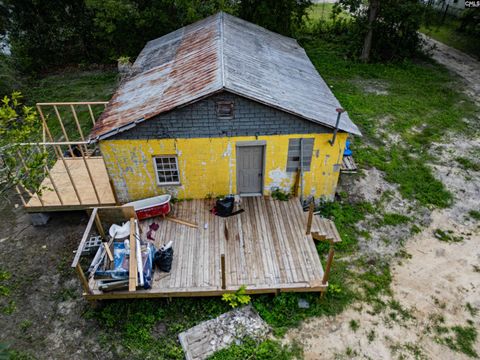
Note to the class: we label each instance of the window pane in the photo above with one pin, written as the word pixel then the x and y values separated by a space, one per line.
pixel 167 170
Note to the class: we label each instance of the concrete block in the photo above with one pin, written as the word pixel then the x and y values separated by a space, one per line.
pixel 39 219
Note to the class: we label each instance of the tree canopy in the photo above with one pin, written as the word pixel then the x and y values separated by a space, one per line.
pixel 53 33
pixel 385 29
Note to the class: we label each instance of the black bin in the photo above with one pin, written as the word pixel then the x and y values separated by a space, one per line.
pixel 224 206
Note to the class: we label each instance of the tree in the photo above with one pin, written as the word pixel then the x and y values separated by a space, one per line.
pixel 48 33
pixel 281 16
pixel 373 6
pixel 123 27
pixel 19 164
pixel 386 29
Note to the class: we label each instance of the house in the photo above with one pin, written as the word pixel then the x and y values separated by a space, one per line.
pixel 219 107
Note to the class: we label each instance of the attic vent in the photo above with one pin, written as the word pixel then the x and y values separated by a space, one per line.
pixel 224 109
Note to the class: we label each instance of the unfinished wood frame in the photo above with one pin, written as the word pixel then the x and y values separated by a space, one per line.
pixel 70 183
pixel 74 108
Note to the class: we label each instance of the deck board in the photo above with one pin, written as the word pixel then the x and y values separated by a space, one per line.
pixel 78 170
pixel 267 250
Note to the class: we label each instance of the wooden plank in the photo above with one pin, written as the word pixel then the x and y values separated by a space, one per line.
pixel 108 251
pixel 292 229
pixel 72 103
pixel 265 234
pixel 132 261
pixel 280 224
pixel 298 217
pixel 274 236
pixel 223 270
pixel 99 226
pixel 254 218
pixel 180 221
pixel 86 233
pixel 61 179
pixel 91 113
pixel 83 279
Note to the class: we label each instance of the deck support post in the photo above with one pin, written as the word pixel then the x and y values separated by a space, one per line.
pixel 132 262
pixel 326 274
pixel 224 280
pixel 310 218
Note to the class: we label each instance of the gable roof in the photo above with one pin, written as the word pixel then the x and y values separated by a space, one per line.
pixel 221 52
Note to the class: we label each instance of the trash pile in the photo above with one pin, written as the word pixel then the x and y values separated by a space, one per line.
pixel 112 268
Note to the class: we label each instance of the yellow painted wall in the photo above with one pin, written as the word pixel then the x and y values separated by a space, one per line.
pixel 208 165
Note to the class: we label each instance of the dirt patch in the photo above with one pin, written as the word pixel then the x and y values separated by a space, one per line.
pixel 42 316
pixel 458 62
pixel 375 87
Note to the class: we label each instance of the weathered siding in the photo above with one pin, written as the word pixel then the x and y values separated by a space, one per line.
pixel 199 120
pixel 208 165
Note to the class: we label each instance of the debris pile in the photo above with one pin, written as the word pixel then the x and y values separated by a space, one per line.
pixel 202 340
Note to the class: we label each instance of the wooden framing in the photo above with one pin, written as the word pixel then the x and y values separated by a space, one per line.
pixel 266 250
pixel 69 186
pixel 132 261
pixel 71 183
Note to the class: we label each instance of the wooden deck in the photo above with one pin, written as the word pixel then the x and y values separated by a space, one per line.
pixel 66 198
pixel 266 249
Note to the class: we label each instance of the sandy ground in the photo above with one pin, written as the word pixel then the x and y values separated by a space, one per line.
pixel 439 279
pixel 460 63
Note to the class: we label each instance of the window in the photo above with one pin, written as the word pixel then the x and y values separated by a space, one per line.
pixel 224 109
pixel 293 160
pixel 167 170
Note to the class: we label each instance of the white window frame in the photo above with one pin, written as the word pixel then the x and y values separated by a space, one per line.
pixel 154 159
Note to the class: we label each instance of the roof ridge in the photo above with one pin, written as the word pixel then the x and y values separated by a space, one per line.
pixel 222 58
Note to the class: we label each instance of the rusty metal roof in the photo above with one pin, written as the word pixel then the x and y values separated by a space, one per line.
pixel 221 52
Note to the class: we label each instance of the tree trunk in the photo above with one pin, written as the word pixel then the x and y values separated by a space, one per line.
pixel 373 6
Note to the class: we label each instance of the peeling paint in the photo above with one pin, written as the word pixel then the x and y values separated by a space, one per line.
pixel 208 166
pixel 280 179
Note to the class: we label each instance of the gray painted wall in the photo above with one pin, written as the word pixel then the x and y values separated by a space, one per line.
pixel 199 120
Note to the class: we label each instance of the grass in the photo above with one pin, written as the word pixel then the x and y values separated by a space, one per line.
pixel 468 163
pixel 71 86
pixel 393 219
pixel 448 34
pixel 459 338
pixel 267 350
pixel 474 214
pixel 150 327
pixel 422 104
pixel 447 236
pixel 354 325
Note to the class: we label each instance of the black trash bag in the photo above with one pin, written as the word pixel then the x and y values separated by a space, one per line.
pixel 224 207
pixel 163 259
